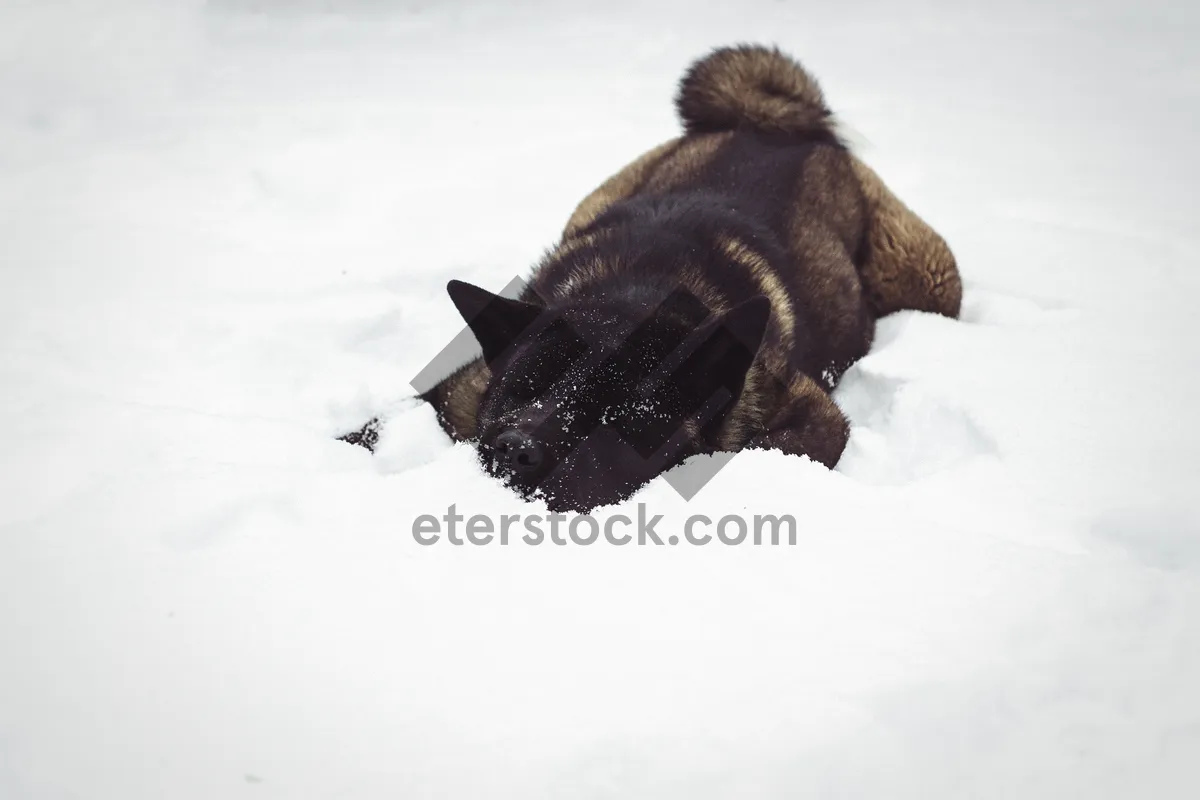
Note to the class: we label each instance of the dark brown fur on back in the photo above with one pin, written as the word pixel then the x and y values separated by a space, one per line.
pixel 759 197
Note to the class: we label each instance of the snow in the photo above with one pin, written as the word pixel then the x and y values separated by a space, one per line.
pixel 225 230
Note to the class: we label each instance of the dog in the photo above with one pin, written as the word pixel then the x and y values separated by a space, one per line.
pixel 705 298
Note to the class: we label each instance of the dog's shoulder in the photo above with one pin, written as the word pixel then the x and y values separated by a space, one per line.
pixel 667 167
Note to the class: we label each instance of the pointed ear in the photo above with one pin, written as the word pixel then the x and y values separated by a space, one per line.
pixel 728 344
pixel 496 321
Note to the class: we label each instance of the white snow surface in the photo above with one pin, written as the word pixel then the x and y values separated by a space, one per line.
pixel 225 230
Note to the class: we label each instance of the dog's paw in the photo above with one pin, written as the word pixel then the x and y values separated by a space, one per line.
pixel 367 436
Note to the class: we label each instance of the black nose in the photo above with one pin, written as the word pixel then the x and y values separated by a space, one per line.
pixel 518 451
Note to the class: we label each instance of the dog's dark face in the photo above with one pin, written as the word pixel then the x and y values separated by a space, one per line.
pixel 590 401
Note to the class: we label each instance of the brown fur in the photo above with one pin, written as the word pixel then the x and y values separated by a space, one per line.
pixel 904 264
pixel 624 184
pixel 457 399
pixel 752 87
pixel 807 422
pixel 661 169
pixel 848 251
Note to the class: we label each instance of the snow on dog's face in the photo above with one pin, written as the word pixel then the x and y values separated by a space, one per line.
pixel 590 401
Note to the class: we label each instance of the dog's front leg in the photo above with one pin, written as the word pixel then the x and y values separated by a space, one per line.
pixel 808 423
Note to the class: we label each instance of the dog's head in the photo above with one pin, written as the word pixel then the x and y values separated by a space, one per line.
pixel 589 401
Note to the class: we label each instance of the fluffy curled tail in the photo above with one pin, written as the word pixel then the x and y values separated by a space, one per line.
pixel 755 87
